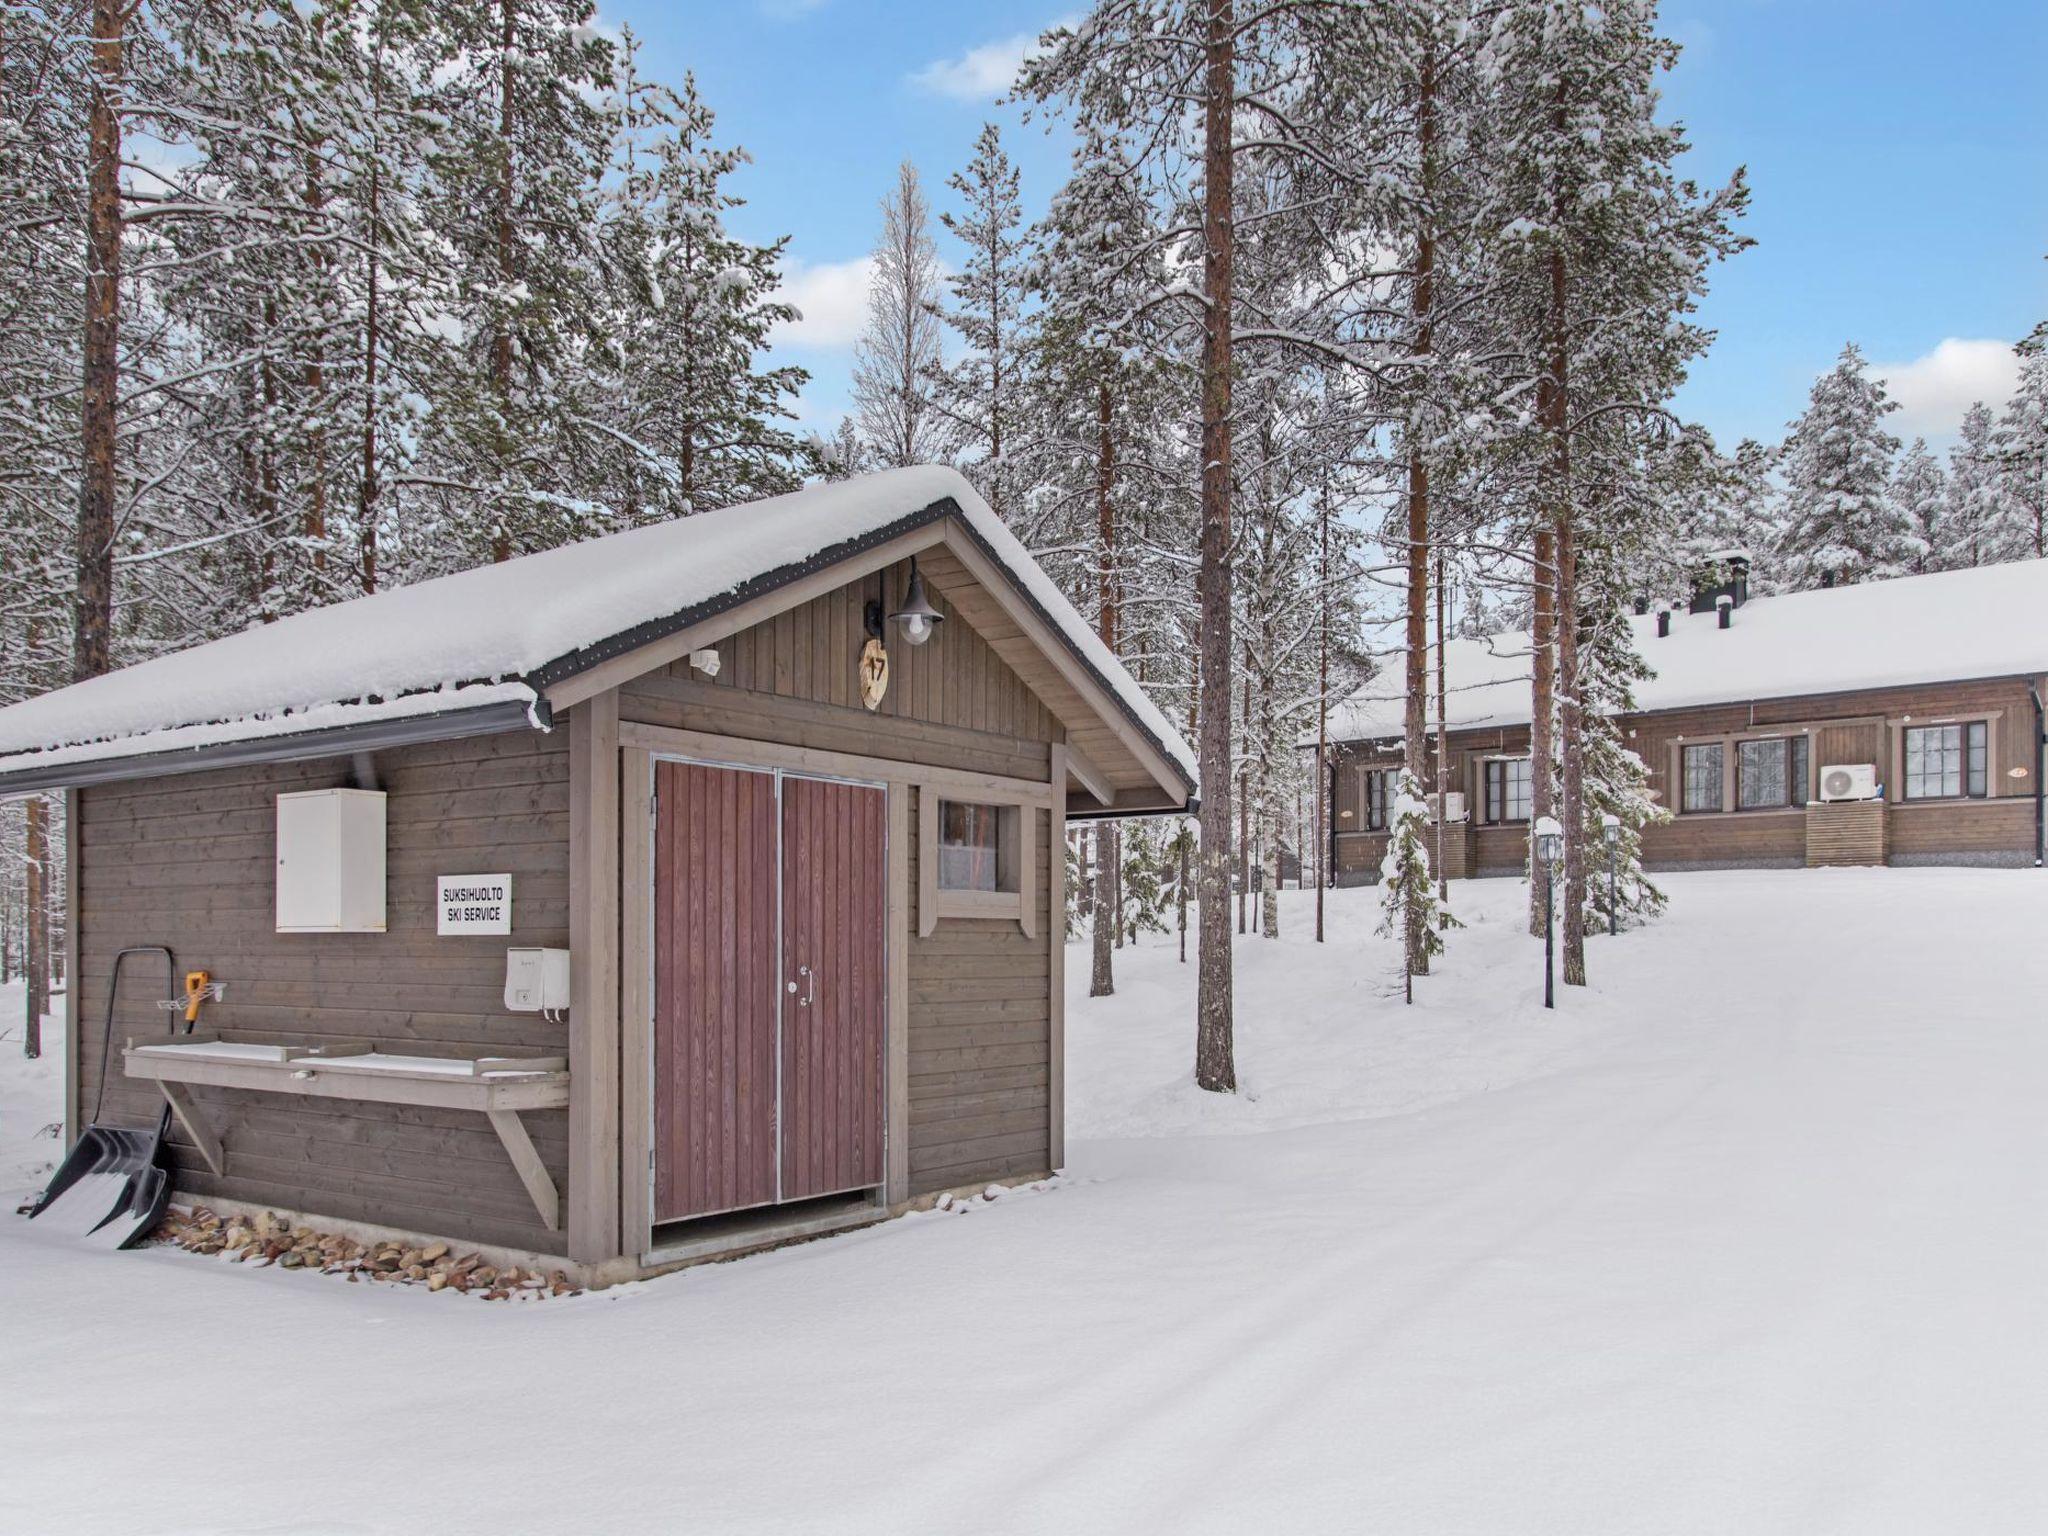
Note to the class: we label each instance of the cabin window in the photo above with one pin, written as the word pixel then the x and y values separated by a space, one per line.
pixel 1376 781
pixel 1770 774
pixel 1948 762
pixel 1701 789
pixel 971 848
pixel 1507 789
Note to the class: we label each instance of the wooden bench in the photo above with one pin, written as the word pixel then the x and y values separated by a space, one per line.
pixel 498 1087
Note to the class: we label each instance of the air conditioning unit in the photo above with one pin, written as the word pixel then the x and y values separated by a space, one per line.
pixel 1454 806
pixel 1849 781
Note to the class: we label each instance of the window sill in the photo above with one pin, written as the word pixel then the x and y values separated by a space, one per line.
pixel 1953 800
pixel 983 904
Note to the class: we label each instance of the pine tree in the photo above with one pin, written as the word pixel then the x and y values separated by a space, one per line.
pixel 1408 898
pixel 1841 523
pixel 515 197
pixel 697 418
pixel 1922 493
pixel 979 394
pixel 897 361
pixel 2021 443
pixel 1977 525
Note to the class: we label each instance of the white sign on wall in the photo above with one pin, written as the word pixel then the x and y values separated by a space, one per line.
pixel 473 904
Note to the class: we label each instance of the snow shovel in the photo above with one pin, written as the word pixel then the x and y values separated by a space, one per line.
pixel 115 1183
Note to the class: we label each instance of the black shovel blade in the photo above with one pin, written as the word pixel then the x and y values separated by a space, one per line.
pixel 112 1187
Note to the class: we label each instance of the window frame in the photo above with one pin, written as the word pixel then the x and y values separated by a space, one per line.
pixel 1719 747
pixel 1973 740
pixel 1798 748
pixel 1016 868
pixel 1374 797
pixel 1497 769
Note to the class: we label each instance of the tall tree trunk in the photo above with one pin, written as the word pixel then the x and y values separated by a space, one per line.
pixel 501 339
pixel 315 527
pixel 1570 720
pixel 1443 734
pixel 93 607
pixel 367 491
pixel 1244 797
pixel 1325 812
pixel 1215 1048
pixel 1102 977
pixel 1415 697
pixel 37 949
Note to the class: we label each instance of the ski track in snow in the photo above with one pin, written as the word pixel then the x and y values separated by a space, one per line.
pixel 1744 1238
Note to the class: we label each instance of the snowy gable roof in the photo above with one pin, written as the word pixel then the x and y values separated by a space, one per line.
pixel 1988 622
pixel 494 637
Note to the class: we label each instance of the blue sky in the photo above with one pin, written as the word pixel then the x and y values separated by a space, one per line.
pixel 1895 151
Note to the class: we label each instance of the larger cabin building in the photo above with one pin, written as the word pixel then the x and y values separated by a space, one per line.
pixel 1894 722
pixel 652 898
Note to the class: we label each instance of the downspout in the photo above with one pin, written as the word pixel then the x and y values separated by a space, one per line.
pixel 1330 799
pixel 2040 789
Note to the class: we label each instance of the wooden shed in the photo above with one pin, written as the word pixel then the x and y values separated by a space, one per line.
pixel 661 896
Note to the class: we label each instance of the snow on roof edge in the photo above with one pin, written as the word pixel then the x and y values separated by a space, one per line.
pixel 247 683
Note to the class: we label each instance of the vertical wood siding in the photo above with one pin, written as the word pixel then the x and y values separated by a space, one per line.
pixel 715 1004
pixel 979 1002
pixel 188 861
pixel 834 922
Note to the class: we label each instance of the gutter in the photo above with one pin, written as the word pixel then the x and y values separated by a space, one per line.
pixel 334 741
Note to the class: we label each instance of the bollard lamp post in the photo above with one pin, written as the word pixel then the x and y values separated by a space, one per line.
pixel 1549 841
pixel 1610 833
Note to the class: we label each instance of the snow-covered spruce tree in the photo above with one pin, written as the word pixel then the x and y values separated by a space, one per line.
pixel 2021 443
pixel 1840 521
pixel 897 361
pixel 515 202
pixel 1921 492
pixel 979 395
pixel 1408 895
pixel 1976 491
pixel 42 278
pixel 698 418
pixel 1608 252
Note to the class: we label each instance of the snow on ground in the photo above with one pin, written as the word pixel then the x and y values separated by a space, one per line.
pixel 1746 1238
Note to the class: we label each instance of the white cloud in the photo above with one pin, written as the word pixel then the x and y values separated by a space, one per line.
pixel 979 74
pixel 1935 389
pixel 833 298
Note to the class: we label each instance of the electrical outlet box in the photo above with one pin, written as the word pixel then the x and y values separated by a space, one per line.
pixel 330 861
pixel 536 980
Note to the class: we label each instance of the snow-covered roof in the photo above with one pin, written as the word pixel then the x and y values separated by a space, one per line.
pixel 495 636
pixel 1988 622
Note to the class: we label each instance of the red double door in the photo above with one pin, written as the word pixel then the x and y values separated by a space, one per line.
pixel 770 910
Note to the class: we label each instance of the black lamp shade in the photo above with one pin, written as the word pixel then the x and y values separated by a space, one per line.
pixel 917 618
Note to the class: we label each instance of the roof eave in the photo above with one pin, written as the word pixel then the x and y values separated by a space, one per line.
pixel 300 746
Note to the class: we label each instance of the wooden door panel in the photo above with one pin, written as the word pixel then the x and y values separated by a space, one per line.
pixel 834 884
pixel 714 988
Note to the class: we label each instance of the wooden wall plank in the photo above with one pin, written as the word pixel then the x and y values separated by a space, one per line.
pixel 593 1184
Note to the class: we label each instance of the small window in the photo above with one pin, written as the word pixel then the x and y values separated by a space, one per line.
pixel 1948 762
pixel 1770 774
pixel 971 847
pixel 1376 782
pixel 1507 789
pixel 1701 790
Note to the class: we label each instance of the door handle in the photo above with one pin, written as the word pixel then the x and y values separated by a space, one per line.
pixel 810 986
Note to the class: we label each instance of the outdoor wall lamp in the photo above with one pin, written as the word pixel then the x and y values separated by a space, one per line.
pixel 917 617
pixel 1549 841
